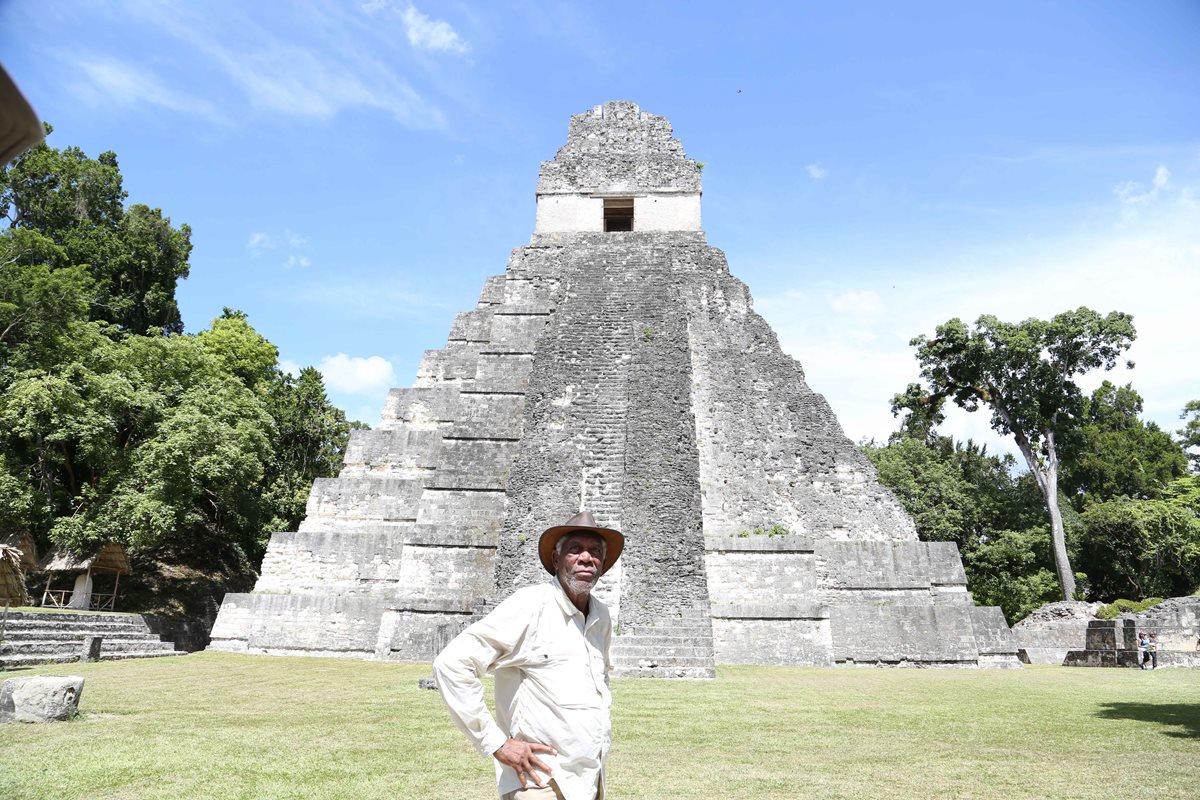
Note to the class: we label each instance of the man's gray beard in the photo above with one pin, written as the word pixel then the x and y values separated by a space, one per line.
pixel 576 586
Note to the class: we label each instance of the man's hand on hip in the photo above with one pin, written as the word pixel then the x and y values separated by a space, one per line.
pixel 520 757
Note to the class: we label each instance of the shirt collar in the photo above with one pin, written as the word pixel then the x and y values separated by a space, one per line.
pixel 564 602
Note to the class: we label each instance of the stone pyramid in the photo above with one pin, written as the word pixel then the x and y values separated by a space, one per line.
pixel 616 366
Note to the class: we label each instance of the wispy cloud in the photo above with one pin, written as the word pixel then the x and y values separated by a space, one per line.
pixel 314 70
pixel 259 242
pixel 370 375
pixel 816 171
pixel 431 34
pixel 1133 193
pixel 108 81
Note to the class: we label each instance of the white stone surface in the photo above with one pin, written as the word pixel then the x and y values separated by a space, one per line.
pixel 42 698
pixel 666 212
pixel 567 213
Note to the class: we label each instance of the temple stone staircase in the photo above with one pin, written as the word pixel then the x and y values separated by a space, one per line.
pixel 42 637
pixel 677 647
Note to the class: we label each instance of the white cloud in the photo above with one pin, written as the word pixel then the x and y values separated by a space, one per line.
pixel 1132 193
pixel 261 241
pixel 816 171
pixel 258 242
pixel 109 81
pixel 431 34
pixel 289 367
pixel 372 375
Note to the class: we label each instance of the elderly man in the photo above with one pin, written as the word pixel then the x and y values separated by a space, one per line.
pixel 548 648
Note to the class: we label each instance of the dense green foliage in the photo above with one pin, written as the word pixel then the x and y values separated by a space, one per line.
pixel 1129 511
pixel 115 425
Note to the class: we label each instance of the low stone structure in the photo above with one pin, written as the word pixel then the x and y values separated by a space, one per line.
pixel 1175 624
pixel 44 637
pixel 41 698
pixel 1048 634
pixel 616 366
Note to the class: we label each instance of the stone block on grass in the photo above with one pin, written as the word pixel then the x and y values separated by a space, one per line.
pixel 41 698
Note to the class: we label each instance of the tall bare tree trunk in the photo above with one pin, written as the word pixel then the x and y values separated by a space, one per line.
pixel 1047 481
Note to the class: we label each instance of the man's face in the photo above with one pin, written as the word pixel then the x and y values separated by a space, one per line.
pixel 579 562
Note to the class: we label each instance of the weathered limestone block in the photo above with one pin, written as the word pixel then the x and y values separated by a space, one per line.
pixel 455 364
pixel 40 698
pixel 903 634
pixel 400 451
pixel 489 416
pixel 1048 634
pixel 461 511
pixel 472 326
pixel 410 635
pixel 502 372
pixel 365 497
pixel 773 641
pixel 473 464
pixel 353 562
pixel 517 328
pixel 454 574
pixel 420 408
pixel 338 625
pixel 890 565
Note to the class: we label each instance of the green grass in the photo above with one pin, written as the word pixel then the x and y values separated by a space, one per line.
pixel 215 725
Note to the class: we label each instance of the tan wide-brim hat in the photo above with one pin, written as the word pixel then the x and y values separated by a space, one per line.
pixel 583 521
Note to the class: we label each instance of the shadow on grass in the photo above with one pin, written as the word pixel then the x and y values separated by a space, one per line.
pixel 1183 717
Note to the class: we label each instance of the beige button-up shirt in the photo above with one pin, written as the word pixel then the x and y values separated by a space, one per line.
pixel 551 666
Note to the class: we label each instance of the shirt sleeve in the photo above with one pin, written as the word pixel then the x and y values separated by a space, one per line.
pixel 459 670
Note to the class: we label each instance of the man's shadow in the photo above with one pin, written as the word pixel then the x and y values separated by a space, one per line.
pixel 1182 717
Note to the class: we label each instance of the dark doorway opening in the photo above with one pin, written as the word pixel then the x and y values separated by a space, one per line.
pixel 618 214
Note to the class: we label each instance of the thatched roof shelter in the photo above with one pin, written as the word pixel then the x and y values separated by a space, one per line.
pixel 110 557
pixel 24 542
pixel 12 577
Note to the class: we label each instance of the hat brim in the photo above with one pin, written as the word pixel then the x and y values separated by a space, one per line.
pixel 614 542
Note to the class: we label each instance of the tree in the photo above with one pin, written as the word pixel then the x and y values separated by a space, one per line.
pixel 76 204
pixel 1190 432
pixel 1136 549
pixel 1114 453
pixel 1024 374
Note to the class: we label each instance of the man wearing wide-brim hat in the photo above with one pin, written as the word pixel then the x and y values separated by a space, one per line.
pixel 548 646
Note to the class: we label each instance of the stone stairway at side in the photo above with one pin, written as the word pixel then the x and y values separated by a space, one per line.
pixel 37 637
pixel 676 647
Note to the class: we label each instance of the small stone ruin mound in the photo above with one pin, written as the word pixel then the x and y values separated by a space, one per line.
pixel 41 698
pixel 1048 634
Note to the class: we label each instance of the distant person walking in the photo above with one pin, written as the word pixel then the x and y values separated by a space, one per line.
pixel 1152 650
pixel 1143 649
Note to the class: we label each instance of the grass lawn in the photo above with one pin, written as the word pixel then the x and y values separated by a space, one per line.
pixel 215 725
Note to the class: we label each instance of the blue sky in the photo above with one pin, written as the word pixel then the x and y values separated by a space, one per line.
pixel 352 171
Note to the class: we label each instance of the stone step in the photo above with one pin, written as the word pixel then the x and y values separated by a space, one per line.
pixel 58 635
pixel 18 618
pixel 635 651
pixel 697 673
pixel 16 661
pixel 106 646
pixel 661 641
pixel 664 661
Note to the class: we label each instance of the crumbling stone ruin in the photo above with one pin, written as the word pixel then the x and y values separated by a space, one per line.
pixel 617 366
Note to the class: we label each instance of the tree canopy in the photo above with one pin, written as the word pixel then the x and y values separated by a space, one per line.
pixel 116 425
pixel 1024 374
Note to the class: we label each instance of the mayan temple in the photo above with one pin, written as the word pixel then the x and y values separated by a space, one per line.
pixel 616 366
